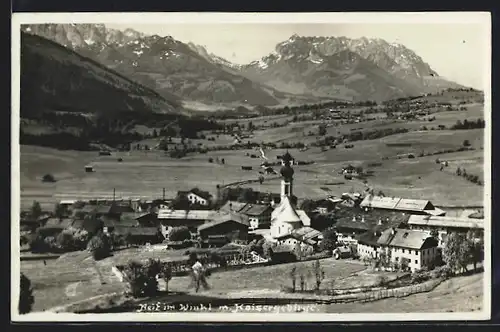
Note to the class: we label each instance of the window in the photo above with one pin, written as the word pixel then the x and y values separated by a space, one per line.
pixel 403 251
pixel 416 261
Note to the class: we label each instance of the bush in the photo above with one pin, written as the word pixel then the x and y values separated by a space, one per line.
pixel 142 277
pixel 26 299
pixel 48 178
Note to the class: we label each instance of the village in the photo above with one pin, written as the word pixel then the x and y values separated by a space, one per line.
pixel 242 227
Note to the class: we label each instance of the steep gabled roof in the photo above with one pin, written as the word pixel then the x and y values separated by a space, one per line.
pixel 445 222
pixel 403 238
pixel 166 214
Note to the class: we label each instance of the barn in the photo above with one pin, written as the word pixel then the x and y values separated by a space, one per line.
pixel 232 225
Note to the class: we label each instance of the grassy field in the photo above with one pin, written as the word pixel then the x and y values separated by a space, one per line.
pixel 145 173
pixel 461 294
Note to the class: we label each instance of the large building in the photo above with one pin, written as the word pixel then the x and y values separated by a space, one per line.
pixel 412 248
pixel 285 218
pixel 259 215
pixel 410 206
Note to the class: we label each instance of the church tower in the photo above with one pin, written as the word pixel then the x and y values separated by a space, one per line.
pixel 286 176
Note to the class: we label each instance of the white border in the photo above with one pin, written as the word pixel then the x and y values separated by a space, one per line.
pixel 483 18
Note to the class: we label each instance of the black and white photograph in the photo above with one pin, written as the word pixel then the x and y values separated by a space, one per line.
pixel 251 167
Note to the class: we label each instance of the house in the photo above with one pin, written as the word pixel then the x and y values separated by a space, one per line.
pixel 234 226
pixel 289 242
pixel 139 235
pixel 411 206
pixel 196 196
pixel 445 225
pixel 143 219
pixel 54 226
pixel 89 169
pixel 259 215
pixel 190 218
pixel 351 226
pixel 413 248
pixel 91 225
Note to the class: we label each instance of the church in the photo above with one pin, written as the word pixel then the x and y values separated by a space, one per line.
pixel 285 218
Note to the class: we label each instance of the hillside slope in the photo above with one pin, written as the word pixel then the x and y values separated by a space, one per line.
pixel 162 63
pixel 54 78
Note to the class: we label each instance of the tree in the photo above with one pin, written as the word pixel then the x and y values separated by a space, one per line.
pixel 456 251
pixel 308 205
pixel 466 142
pixel 319 273
pixel 322 130
pixel 329 241
pixel 139 280
pixel 26 298
pixel 166 274
pixel 36 210
pixel 434 233
pixel 293 277
pixel 65 241
pixel 297 251
pixel 59 211
pixel 48 178
pixel 99 246
pixel 476 246
pixel 459 171
pixel 180 233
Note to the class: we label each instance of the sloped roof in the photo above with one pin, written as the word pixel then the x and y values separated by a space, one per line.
pixel 368 238
pixel 136 231
pixel 233 206
pixel 223 218
pixel 304 217
pixel 445 222
pixel 255 209
pixel 203 194
pixel 380 202
pixel 133 215
pixel 404 238
pixel 58 223
pixel 185 214
pixel 477 215
pixel 412 204
pixel 285 212
pixel 306 233
pixel 398 203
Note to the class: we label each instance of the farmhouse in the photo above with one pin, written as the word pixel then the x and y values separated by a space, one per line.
pixel 290 242
pixel 259 215
pixel 190 218
pixel 139 235
pixel 445 225
pixel 412 206
pixel 351 226
pixel 143 219
pixel 412 248
pixel 196 196
pixel 233 226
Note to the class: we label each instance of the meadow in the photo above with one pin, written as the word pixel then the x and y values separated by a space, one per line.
pixel 146 173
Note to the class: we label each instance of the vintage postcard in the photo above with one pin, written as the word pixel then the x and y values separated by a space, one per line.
pixel 251 167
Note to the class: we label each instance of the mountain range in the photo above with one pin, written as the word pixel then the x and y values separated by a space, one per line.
pixel 300 70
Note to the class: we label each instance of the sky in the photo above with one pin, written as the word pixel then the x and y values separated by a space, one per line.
pixel 455 51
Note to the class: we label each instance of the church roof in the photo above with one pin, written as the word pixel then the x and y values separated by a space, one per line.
pixel 285 212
